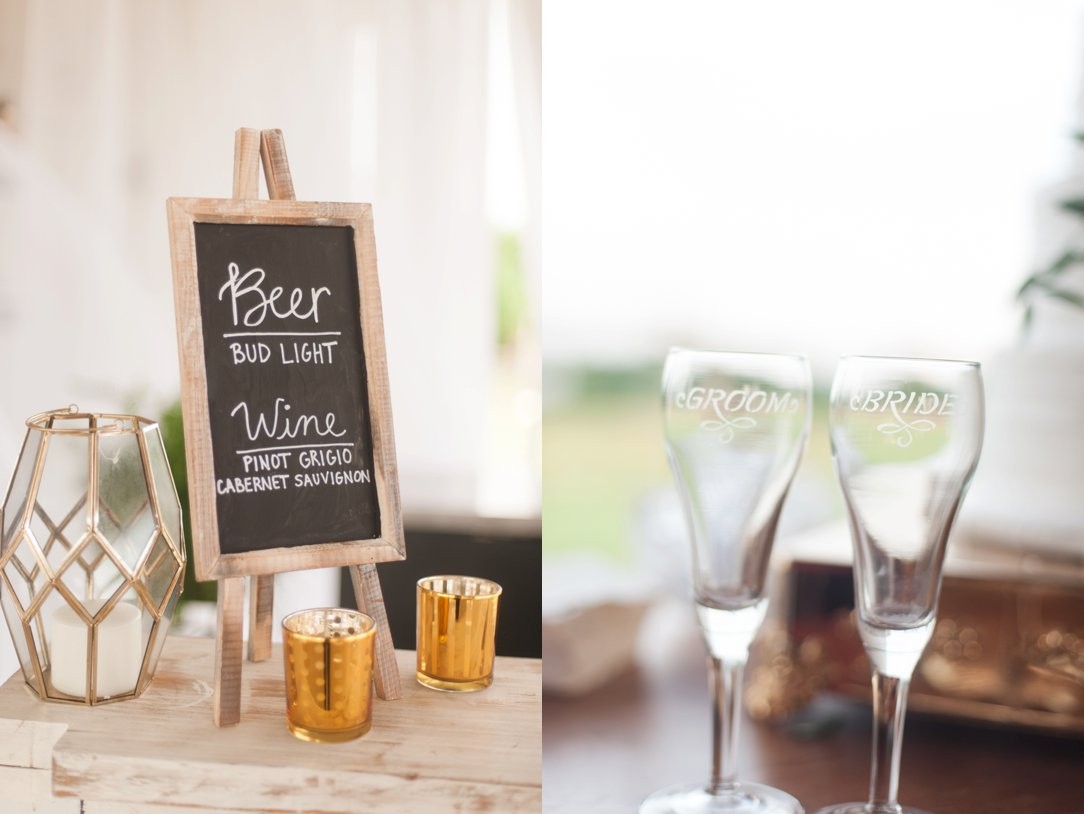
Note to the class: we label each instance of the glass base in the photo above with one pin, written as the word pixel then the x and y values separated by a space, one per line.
pixel 744 798
pixel 307 733
pixel 866 808
pixel 466 685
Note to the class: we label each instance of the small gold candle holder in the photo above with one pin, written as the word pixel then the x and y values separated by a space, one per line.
pixel 328 657
pixel 457 622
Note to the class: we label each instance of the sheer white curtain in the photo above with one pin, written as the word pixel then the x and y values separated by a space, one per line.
pixel 525 33
pixel 121 104
pixel 129 103
pixel 435 246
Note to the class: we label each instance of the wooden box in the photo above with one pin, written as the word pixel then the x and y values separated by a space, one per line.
pixel 1008 646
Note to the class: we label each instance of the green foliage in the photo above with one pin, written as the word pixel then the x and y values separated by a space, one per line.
pixel 1045 282
pixel 584 382
pixel 172 426
pixel 604 455
pixel 511 288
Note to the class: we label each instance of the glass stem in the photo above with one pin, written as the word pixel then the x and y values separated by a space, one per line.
pixel 889 708
pixel 725 686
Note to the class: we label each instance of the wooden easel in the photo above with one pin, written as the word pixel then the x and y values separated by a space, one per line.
pixel 250 146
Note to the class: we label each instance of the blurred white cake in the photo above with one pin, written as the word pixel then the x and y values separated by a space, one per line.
pixel 1029 488
pixel 1028 491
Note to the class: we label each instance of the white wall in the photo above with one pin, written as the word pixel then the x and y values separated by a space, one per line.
pixel 119 104
pixel 830 177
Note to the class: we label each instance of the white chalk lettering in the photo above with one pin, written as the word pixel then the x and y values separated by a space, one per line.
pixel 325 457
pixel 249 485
pixel 279 427
pixel 336 478
pixel 266 462
pixel 249 286
pixel 249 352
pixel 313 353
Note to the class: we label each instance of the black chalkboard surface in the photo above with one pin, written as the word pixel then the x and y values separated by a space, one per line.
pixel 291 441
pixel 291 455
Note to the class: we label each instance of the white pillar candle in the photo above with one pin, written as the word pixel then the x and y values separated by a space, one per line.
pixel 120 649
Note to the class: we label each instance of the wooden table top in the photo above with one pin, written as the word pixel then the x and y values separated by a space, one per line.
pixel 429 751
pixel 604 753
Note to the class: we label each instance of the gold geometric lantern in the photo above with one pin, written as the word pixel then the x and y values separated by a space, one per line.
pixel 91 555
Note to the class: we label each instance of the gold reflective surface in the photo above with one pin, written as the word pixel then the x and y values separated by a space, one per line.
pixel 457 622
pixel 328 658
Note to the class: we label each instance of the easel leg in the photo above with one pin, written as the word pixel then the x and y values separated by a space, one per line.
pixel 229 651
pixel 246 163
pixel 371 601
pixel 261 600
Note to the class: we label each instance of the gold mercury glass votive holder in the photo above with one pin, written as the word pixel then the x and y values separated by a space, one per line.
pixel 457 622
pixel 328 657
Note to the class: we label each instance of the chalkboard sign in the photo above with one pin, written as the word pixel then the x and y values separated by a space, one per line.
pixel 290 453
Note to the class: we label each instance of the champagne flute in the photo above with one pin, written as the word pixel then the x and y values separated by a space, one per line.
pixel 906 436
pixel 736 426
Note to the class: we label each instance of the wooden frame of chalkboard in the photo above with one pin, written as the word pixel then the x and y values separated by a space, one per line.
pixel 228 539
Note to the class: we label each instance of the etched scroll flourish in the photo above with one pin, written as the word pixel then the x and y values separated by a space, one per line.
pixel 725 427
pixel 903 430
